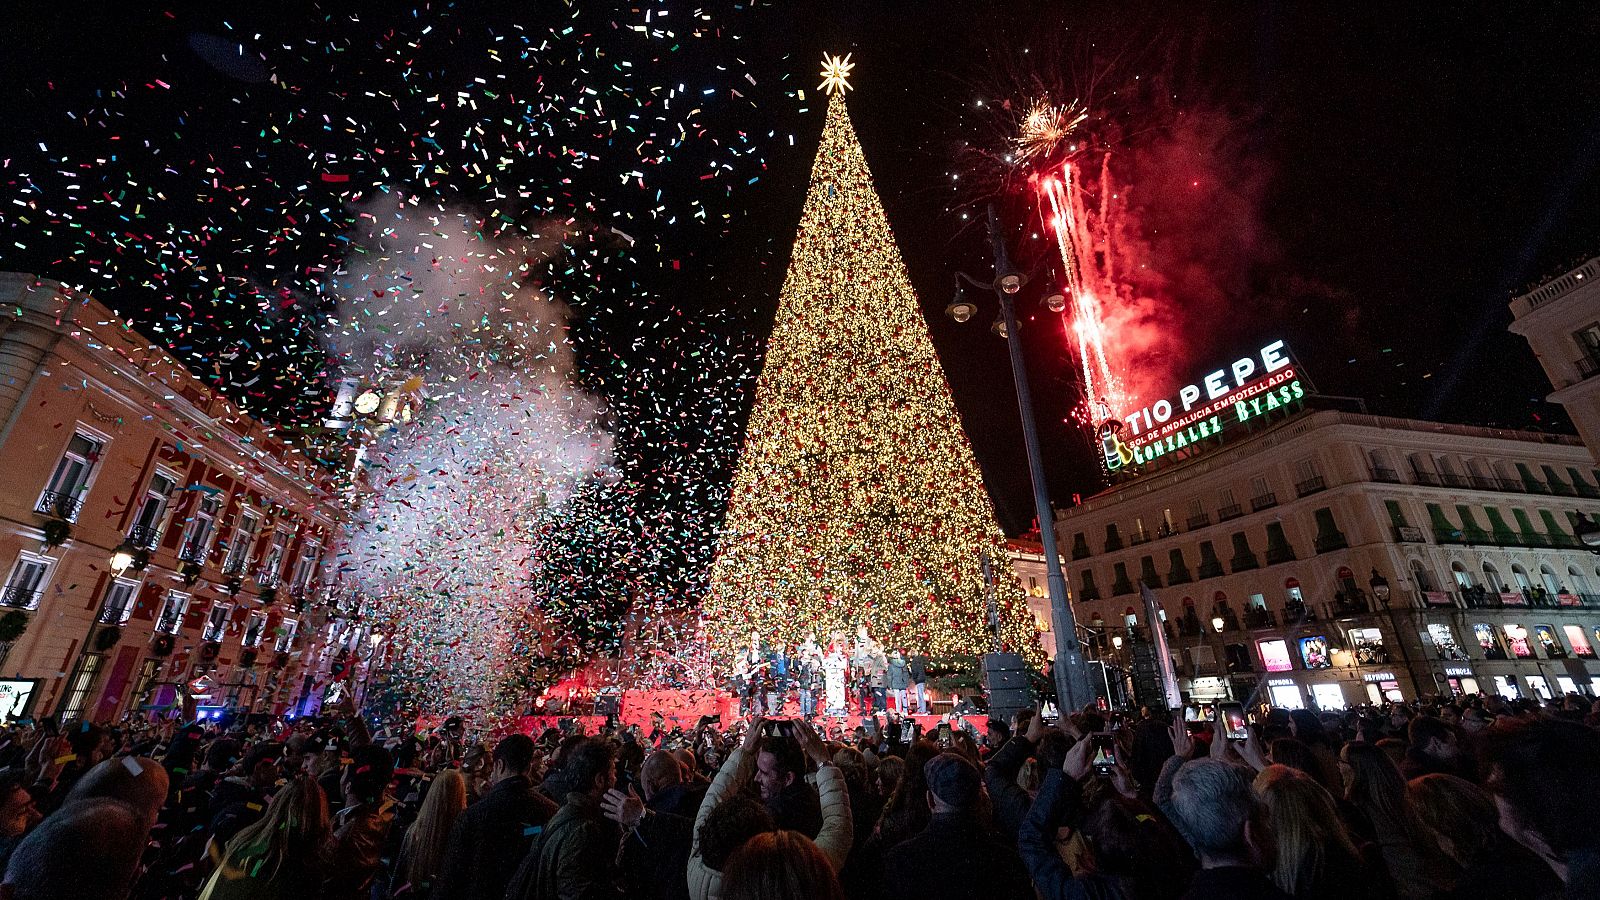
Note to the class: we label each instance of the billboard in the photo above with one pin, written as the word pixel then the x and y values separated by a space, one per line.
pixel 1251 387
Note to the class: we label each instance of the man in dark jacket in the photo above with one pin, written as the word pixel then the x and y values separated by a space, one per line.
pixel 239 801
pixel 781 778
pixel 1011 803
pixel 575 857
pixel 658 829
pixel 954 852
pixel 492 836
pixel 917 668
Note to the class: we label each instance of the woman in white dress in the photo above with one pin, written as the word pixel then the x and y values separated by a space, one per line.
pixel 833 667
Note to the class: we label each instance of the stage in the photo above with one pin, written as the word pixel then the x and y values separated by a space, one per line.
pixel 684 709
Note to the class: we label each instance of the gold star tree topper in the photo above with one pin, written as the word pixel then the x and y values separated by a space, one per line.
pixel 835 73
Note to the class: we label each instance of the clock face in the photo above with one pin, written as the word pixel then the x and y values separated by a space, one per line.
pixel 367 403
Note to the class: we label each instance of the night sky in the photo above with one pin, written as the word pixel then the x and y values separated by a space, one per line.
pixel 1390 176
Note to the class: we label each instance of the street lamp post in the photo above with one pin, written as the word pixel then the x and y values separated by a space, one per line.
pixel 1071 675
pixel 1380 590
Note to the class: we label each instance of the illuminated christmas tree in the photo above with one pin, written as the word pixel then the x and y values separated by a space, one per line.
pixel 857 499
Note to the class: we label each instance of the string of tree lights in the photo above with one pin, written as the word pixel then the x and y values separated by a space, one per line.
pixel 857 500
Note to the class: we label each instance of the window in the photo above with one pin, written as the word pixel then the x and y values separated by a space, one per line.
pixel 1367 646
pixel 267 576
pixel 253 630
pixel 1444 642
pixel 172 610
pixel 243 543
pixel 1547 639
pixel 286 634
pixel 1551 582
pixel 1419 574
pixel 63 495
pixel 1517 638
pixel 1462 576
pixel 1580 582
pixel 1488 641
pixel 1579 641
pixel 81 684
pixel 305 568
pixel 1227 497
pixel 216 623
pixel 1521 576
pixel 146 528
pixel 1197 508
pixel 118 605
pixel 1491 577
pixel 202 525
pixel 1274 655
pixel 25 586
pixel 145 682
pixel 1588 340
pixel 1314 652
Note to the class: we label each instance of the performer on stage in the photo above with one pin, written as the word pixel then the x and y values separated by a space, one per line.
pixel 833 668
pixel 756 665
pixel 808 675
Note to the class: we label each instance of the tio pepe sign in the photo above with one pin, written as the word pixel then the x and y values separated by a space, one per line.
pixel 1250 387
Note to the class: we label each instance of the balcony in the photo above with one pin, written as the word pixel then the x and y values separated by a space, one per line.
pixel 1231 511
pixel 1451 479
pixel 1562 489
pixel 1310 486
pixel 1427 479
pixel 20 597
pixel 1210 569
pixel 1588 364
pixel 111 615
pixel 1263 501
pixel 144 537
pixel 1329 542
pixel 193 552
pixel 1199 521
pixel 1277 555
pixel 59 504
pixel 1387 476
pixel 1259 617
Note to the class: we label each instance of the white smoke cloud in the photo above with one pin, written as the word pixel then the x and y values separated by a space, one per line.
pixel 503 438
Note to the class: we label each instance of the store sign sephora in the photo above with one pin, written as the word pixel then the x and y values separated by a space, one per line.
pixel 1249 388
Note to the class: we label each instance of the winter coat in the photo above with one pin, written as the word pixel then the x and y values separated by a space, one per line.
pixel 833 840
pixel 490 838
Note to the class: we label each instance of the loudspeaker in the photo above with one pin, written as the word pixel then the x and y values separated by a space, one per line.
pixel 1005 680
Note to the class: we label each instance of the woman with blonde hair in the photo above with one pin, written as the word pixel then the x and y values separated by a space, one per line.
pixel 282 855
pixel 422 849
pixel 1313 855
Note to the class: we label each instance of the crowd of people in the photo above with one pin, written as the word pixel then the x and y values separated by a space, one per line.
pixel 1424 800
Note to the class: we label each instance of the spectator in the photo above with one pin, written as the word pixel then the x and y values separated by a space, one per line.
pixel 780 865
pixel 1435 747
pixel 86 849
pixel 781 779
pixel 1130 852
pixel 282 855
pixel 1544 776
pixel 1312 853
pixel 726 821
pixel 1464 822
pixel 575 856
pixel 242 798
pixel 18 812
pixel 138 781
pixel 421 858
pixel 1213 808
pixel 666 786
pixel 954 841
pixel 906 812
pixel 361 829
pixel 491 837
pixel 887 777
pixel 1377 810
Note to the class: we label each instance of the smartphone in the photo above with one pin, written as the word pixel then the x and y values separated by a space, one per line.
pixel 1103 753
pixel 780 728
pixel 1233 723
pixel 944 733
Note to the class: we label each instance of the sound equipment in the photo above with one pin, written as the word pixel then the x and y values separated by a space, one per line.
pixel 1005 681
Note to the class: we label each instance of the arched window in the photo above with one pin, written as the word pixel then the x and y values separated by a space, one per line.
pixel 1520 576
pixel 1462 576
pixel 1491 577
pixel 1552 583
pixel 1420 575
pixel 1580 583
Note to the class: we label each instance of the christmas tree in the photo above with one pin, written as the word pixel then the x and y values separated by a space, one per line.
pixel 857 499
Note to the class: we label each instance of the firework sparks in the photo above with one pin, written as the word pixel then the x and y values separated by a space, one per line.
pixel 1045 128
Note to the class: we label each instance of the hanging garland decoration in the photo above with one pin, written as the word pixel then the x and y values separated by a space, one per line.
pixel 162 645
pixel 56 532
pixel 106 638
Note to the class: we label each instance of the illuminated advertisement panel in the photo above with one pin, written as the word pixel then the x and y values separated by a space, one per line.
pixel 1250 388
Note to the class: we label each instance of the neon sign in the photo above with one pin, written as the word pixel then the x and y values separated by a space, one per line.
pixel 1249 388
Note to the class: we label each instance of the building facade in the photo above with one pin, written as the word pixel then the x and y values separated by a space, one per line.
pixel 1334 558
pixel 153 539
pixel 1561 321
